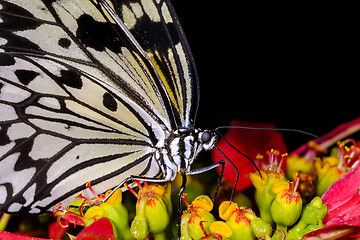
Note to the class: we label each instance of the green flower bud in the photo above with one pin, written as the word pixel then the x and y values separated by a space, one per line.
pixel 157 215
pixel 310 220
pixel 200 215
pixel 264 195
pixel 152 210
pixel 287 205
pixel 140 227
pixel 314 212
pixel 260 228
pixel 185 219
pixel 240 226
pixel 236 220
pixel 197 218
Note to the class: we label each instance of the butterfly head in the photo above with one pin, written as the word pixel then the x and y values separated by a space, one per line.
pixel 207 138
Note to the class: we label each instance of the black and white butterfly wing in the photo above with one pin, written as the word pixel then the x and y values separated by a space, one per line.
pixel 60 129
pixel 165 43
pixel 79 103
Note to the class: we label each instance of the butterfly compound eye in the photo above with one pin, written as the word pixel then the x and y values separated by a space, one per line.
pixel 205 137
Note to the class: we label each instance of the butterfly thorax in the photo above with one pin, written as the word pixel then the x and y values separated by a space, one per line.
pixel 180 148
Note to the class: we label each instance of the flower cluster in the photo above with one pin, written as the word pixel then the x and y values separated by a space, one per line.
pixel 312 193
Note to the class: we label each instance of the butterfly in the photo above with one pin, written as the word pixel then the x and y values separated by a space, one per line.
pixel 104 91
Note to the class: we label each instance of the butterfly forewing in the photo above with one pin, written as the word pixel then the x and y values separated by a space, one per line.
pixel 165 43
pixel 78 103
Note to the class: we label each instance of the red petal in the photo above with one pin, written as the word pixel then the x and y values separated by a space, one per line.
pixel 349 217
pixel 249 142
pixel 331 233
pixel 56 231
pixel 338 133
pixel 342 195
pixel 13 236
pixel 100 230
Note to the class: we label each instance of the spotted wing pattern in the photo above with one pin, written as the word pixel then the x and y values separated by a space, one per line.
pixel 79 102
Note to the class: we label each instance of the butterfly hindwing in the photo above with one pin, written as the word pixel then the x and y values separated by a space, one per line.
pixel 49 133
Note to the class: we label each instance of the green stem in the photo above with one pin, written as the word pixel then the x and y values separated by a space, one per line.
pixel 160 236
pixel 4 221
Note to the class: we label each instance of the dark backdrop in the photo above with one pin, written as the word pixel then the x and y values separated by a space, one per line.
pixel 296 66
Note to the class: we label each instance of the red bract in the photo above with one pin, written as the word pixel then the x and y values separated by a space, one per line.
pixel 56 231
pixel 343 202
pixel 13 236
pixel 330 138
pixel 102 229
pixel 249 142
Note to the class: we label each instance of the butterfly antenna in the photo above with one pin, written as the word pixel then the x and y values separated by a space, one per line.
pixel 243 154
pixel 273 129
pixel 252 161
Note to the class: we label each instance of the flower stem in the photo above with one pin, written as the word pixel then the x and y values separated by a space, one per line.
pixel 4 221
pixel 160 236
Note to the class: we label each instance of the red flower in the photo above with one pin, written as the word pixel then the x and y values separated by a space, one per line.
pixel 343 202
pixel 249 142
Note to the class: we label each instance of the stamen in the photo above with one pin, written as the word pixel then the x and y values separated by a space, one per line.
pixel 183 196
pixel 147 186
pixel 131 190
pixel 88 185
pixel 298 177
pixel 139 185
pixel 283 159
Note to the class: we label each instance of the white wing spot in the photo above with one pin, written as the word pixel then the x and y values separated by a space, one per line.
pixel 10 93
pixel 3 194
pixel 7 113
pixel 46 146
pixel 137 10
pixel 3 41
pixel 166 14
pixel 35 211
pixel 5 148
pixel 19 130
pixel 151 10
pixel 29 195
pixel 15 207
pixel 50 102
pixel 129 17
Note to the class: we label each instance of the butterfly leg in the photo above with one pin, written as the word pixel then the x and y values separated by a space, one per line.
pixel 131 178
pixel 182 189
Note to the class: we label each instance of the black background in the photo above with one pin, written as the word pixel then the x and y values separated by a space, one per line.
pixel 296 66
